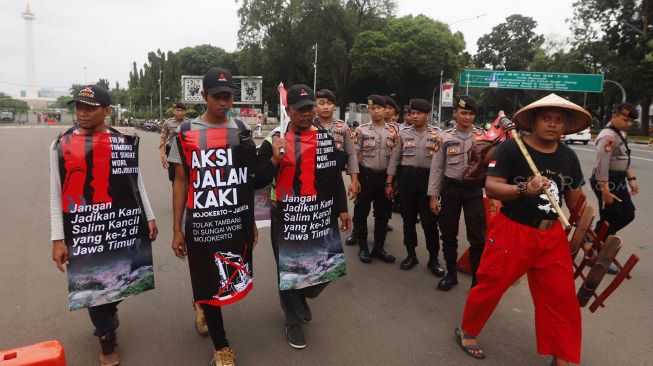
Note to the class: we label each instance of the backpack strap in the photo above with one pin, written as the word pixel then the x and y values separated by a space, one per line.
pixel 241 125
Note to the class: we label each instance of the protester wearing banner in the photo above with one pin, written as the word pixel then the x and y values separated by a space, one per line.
pixel 374 143
pixel 214 190
pixel 345 150
pixel 168 136
pixel 527 237
pixel 412 155
pixel 447 188
pixel 309 197
pixel 101 220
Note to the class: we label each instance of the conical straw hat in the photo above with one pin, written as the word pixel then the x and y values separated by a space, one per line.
pixel 580 119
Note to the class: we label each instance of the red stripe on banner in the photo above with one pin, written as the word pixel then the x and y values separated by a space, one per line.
pixel 308 151
pixel 216 138
pixel 73 150
pixel 287 168
pixel 190 141
pixel 101 167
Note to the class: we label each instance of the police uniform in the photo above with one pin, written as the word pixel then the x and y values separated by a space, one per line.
pixel 413 155
pixel 611 165
pixel 168 133
pixel 445 181
pixel 374 147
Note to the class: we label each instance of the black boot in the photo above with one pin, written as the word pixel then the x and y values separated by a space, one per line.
pixel 351 240
pixel 364 253
pixel 449 281
pixel 379 253
pixel 410 262
pixel 435 268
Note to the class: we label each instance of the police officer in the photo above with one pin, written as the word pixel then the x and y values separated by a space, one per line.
pixel 417 145
pixel 168 135
pixel 374 143
pixel 449 194
pixel 345 150
pixel 612 174
pixel 391 112
pixel 407 117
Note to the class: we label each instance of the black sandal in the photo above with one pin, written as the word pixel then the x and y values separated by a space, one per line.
pixel 472 350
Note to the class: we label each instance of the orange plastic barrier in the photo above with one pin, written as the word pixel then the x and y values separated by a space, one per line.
pixel 50 353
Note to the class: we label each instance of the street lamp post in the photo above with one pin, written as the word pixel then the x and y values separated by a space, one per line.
pixel 315 69
pixel 160 102
pixel 623 91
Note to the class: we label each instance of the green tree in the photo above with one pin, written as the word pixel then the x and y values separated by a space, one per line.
pixel 616 36
pixel 406 57
pixel 511 45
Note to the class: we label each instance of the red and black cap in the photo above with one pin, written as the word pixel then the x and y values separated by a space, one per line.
pixel 391 103
pixel 216 80
pixel 420 105
pixel 376 99
pixel 299 96
pixel 466 102
pixel 627 110
pixel 179 105
pixel 326 94
pixel 92 95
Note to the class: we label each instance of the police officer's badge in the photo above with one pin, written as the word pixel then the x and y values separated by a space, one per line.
pixel 356 135
pixel 609 144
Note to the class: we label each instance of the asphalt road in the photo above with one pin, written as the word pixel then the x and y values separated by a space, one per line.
pixel 376 315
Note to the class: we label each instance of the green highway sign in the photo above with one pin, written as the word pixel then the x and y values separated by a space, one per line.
pixel 592 83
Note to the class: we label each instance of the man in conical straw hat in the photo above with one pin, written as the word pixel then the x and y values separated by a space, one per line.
pixel 526 237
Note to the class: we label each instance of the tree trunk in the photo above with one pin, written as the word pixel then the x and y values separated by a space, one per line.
pixel 645 103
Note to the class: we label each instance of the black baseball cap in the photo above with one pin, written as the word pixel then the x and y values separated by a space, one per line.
pixel 92 95
pixel 299 96
pixel 326 94
pixel 179 105
pixel 627 110
pixel 216 80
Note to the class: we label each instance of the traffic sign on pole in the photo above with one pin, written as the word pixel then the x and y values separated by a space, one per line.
pixel 554 81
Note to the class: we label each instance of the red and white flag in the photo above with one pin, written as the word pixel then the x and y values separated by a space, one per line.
pixel 283 116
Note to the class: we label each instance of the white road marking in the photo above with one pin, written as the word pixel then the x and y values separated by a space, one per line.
pixel 632 157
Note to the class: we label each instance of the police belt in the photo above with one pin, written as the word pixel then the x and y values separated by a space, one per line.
pixel 614 176
pixel 459 183
pixel 535 222
pixel 413 171
pixel 367 171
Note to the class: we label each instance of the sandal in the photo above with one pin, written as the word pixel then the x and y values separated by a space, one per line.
pixel 472 350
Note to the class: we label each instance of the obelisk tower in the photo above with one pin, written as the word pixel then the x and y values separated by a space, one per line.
pixel 30 67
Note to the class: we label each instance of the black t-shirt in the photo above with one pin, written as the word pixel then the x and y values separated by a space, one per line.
pixel 561 167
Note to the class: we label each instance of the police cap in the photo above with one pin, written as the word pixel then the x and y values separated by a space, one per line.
pixel 376 99
pixel 179 105
pixel 466 102
pixel 626 109
pixel 391 102
pixel 326 94
pixel 420 105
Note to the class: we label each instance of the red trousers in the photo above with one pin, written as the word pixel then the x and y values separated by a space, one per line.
pixel 512 249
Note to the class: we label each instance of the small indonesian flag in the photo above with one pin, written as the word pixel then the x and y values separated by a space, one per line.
pixel 492 164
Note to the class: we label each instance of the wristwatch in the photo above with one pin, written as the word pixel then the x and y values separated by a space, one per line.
pixel 631 178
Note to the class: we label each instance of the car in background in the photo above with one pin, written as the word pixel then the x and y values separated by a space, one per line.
pixel 583 136
pixel 7 115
